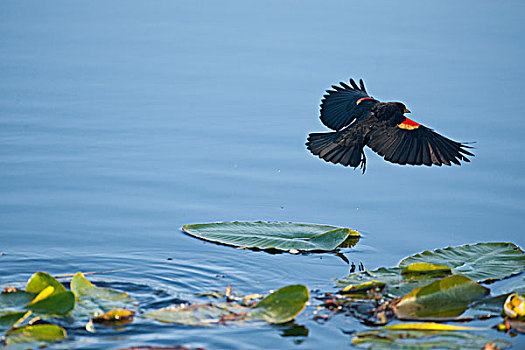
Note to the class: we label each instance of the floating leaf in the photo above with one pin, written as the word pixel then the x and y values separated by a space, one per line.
pixel 36 333
pixel 514 284
pixel 430 326
pixel 425 268
pixel 448 297
pixel 115 317
pixel 8 319
pixel 46 292
pixel 41 280
pixel 480 262
pixel 501 289
pixel 488 307
pixel 272 235
pixel 200 314
pixel 56 304
pixel 96 300
pixel 282 305
pixel 82 287
pixel 15 301
pixel 387 339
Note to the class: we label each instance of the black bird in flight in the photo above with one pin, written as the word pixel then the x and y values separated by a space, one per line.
pixel 360 120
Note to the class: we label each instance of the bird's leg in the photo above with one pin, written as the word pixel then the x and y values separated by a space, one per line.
pixel 363 160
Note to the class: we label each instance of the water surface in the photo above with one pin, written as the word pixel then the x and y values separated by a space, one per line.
pixel 122 121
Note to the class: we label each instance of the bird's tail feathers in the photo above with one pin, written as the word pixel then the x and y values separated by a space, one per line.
pixel 325 146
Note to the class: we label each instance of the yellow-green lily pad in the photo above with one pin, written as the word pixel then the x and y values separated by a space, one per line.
pixel 41 280
pixel 55 304
pixel 425 268
pixel 445 298
pixel 281 306
pixel 36 333
pixel 93 300
pixel 391 339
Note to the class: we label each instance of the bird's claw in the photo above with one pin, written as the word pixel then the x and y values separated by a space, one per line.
pixel 363 161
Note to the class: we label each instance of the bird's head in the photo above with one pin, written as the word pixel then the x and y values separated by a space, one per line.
pixel 402 107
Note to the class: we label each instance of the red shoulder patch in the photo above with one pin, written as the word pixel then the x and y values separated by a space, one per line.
pixel 408 124
pixel 364 98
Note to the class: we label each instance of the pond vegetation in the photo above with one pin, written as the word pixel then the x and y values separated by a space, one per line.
pixel 418 302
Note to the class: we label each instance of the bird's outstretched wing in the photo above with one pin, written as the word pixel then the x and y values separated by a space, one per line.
pixel 344 104
pixel 412 143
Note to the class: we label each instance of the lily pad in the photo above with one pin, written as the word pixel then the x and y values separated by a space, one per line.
pixel 501 289
pixel 480 262
pixel 41 280
pixel 56 304
pixel 15 301
pixel 46 292
pixel 8 319
pixel 388 339
pixel 446 298
pixel 430 326
pixel 282 305
pixel 36 333
pixel 514 284
pixel 93 300
pixel 425 268
pixel 200 314
pixel 273 235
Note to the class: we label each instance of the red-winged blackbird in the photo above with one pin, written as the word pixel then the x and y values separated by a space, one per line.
pixel 361 120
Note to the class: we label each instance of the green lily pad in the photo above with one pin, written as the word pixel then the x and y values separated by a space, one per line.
pixel 15 301
pixel 388 339
pixel 93 300
pixel 501 289
pixel 36 333
pixel 273 235
pixel 200 314
pixel 56 304
pixel 488 307
pixel 480 262
pixel 282 305
pixel 446 298
pixel 515 284
pixel 41 280
pixel 8 319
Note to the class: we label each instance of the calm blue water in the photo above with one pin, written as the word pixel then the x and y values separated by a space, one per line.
pixel 122 121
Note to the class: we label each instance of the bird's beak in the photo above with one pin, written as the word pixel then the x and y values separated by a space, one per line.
pixel 406 110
